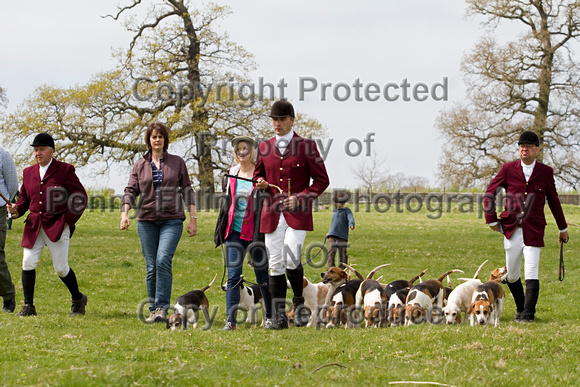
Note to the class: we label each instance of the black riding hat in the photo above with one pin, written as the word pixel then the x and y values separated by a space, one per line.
pixel 529 138
pixel 43 139
pixel 282 108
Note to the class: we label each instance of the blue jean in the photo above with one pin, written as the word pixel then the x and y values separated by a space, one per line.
pixel 159 241
pixel 236 250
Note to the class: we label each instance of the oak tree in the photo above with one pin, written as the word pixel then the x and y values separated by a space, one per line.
pixel 179 69
pixel 530 82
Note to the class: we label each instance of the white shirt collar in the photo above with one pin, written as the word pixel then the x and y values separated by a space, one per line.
pixel 283 141
pixel 528 169
pixel 43 170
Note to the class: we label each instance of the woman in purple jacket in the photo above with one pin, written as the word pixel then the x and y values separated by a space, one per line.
pixel 162 183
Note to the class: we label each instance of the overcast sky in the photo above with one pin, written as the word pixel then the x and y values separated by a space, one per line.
pixel 336 42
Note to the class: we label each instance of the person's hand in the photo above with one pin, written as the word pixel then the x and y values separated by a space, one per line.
pixel 291 202
pixel 352 227
pixel 496 227
pixel 563 237
pixel 11 207
pixel 124 221
pixel 192 227
pixel 261 183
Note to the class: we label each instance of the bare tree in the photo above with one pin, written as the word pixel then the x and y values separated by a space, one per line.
pixel 530 83
pixel 396 181
pixel 417 182
pixel 371 173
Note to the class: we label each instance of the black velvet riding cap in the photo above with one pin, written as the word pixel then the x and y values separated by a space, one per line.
pixel 43 139
pixel 529 138
pixel 281 109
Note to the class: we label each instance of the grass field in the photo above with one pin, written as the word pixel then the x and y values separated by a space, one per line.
pixel 111 346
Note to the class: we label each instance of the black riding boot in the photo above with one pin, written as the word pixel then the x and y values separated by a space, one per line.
pixel 70 280
pixel 28 282
pixel 278 289
pixel 296 278
pixel 517 290
pixel 532 291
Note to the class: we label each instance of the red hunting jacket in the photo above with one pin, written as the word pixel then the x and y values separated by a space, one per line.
pixel 302 164
pixel 525 201
pixel 55 201
pixel 248 229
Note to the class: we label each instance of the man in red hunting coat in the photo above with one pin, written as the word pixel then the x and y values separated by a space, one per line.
pixel 56 199
pixel 294 164
pixel 528 184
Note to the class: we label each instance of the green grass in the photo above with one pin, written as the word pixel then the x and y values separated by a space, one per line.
pixel 111 346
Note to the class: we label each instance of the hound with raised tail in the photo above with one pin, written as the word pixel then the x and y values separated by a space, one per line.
pixel 396 310
pixel 486 304
pixel 372 298
pixel 459 300
pixel 342 302
pixel 185 310
pixel 392 287
pixel 423 297
pixel 396 292
pixel 314 300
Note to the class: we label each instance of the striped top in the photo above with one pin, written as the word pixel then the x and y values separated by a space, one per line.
pixel 157 176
